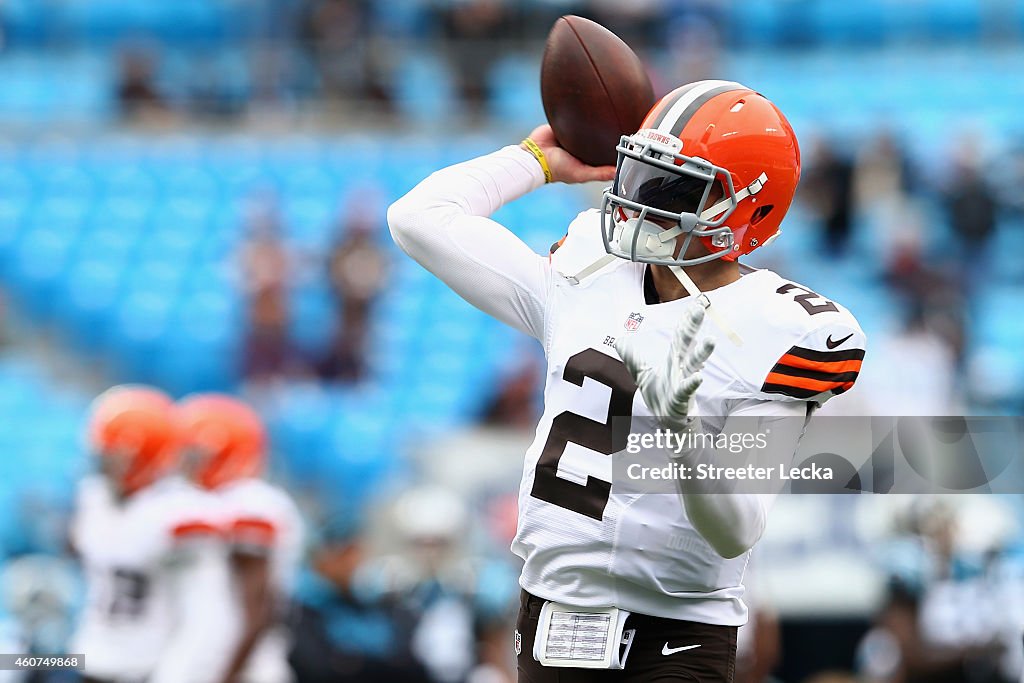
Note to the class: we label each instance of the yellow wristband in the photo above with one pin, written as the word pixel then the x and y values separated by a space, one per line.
pixel 538 153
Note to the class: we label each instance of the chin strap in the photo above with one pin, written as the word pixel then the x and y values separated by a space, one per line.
pixel 704 301
pixel 591 269
pixel 748 191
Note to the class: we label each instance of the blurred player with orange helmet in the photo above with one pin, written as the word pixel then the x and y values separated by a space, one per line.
pixel 226 450
pixel 133 432
pixel 150 546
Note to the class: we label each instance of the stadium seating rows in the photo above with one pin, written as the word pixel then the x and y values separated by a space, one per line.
pixel 127 251
pixel 40 424
pixel 125 245
pixel 132 261
pixel 917 90
pixel 202 22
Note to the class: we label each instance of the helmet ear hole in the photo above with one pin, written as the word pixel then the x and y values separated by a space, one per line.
pixel 761 213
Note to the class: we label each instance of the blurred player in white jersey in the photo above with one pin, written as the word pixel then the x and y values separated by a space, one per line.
pixel 149 543
pixel 226 450
pixel 618 306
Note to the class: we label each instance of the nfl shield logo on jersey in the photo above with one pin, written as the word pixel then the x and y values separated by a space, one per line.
pixel 519 643
pixel 632 323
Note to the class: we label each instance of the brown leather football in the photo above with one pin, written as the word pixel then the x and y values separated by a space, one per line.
pixel 594 89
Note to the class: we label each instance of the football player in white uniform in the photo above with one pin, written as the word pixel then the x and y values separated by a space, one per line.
pixel 155 566
pixel 618 306
pixel 226 449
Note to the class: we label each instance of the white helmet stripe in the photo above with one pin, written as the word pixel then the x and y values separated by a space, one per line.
pixel 675 115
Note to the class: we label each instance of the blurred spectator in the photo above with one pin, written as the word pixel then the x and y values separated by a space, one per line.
pixel 972 206
pixel 912 372
pixel 883 199
pixel 828 189
pixel 932 296
pixel 932 627
pixel 39 592
pixel 463 601
pixel 357 270
pixel 641 23
pixel 1011 168
pixel 833 677
pixel 474 32
pixel 277 84
pixel 882 173
pixel 214 93
pixel 694 46
pixel 4 340
pixel 344 630
pixel 433 580
pixel 40 522
pixel 265 277
pixel 759 641
pixel 345 48
pixel 137 95
pixel 515 403
pixel 911 275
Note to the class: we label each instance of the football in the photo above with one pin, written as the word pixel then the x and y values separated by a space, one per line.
pixel 594 89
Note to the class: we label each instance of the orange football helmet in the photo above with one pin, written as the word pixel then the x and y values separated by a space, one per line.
pixel 133 431
pixel 706 141
pixel 224 438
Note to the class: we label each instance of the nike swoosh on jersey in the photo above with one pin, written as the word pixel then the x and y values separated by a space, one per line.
pixel 666 650
pixel 830 343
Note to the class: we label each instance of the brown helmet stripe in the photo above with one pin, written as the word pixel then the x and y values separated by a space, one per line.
pixel 666 104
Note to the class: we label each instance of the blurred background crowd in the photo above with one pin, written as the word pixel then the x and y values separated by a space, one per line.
pixel 192 194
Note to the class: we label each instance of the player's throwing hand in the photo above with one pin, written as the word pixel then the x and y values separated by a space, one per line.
pixel 564 167
pixel 668 390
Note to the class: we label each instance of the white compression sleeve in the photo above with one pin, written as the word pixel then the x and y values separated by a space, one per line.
pixel 443 224
pixel 733 522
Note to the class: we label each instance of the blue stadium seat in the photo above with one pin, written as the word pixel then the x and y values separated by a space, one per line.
pixel 314 318
pixel 38 262
pixel 994 324
pixel 141 322
pixel 202 349
pixel 756 24
pixel 856 23
pixel 41 433
pixel 424 88
pixel 516 100
pixel 25 22
pixel 86 301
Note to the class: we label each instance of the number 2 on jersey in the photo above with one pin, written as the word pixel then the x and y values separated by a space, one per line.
pixel 591 498
pixel 806 299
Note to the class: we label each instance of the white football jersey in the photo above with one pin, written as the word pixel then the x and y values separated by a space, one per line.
pixel 129 550
pixel 262 518
pixel 586 545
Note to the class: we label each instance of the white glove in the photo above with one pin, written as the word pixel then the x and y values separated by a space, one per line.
pixel 668 390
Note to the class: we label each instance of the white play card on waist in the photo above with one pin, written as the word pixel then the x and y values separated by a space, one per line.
pixel 582 637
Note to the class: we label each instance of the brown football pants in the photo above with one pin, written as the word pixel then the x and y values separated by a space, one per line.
pixel 713 662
